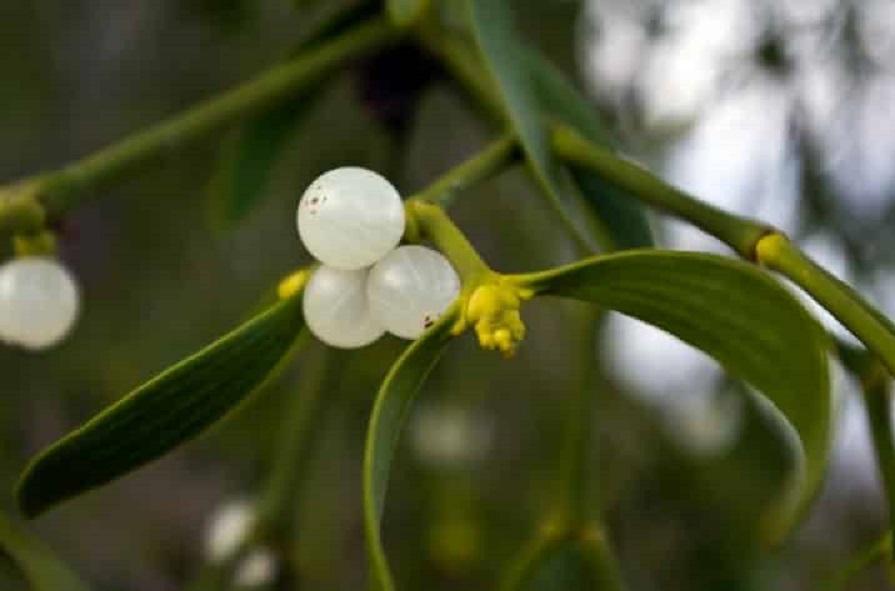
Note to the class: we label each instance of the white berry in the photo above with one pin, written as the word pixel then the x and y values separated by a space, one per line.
pixel 39 302
pixel 336 310
pixel 228 528
pixel 450 436
pixel 257 569
pixel 350 217
pixel 410 288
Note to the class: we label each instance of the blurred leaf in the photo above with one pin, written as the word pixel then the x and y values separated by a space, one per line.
pixel 562 569
pixel 172 408
pixel 36 563
pixel 623 216
pixel 390 410
pixel 501 48
pixel 340 17
pixel 744 319
pixel 249 152
pixel 248 157
pixel 405 12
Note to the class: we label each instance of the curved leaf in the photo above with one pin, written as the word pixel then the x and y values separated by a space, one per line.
pixel 731 310
pixel 405 12
pixel 390 410
pixel 36 563
pixel 501 48
pixel 170 409
pixel 623 216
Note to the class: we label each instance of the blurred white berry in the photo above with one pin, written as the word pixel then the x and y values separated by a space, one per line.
pixel 336 309
pixel 228 529
pixel 451 437
pixel 39 302
pixel 410 288
pixel 350 217
pixel 258 568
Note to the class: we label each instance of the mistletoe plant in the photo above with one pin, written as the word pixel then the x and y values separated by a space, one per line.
pixel 353 221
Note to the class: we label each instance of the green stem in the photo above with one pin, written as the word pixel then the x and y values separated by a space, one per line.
pixel 493 159
pixel 577 453
pixel 462 62
pixel 60 190
pixel 876 331
pixel 879 415
pixel 427 221
pixel 877 552
pixel 598 552
pixel 20 210
pixel 549 538
pixel 301 420
pixel 741 234
pixel 752 240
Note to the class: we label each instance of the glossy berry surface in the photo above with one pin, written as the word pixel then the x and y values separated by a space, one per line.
pixel 336 310
pixel 39 302
pixel 350 217
pixel 410 289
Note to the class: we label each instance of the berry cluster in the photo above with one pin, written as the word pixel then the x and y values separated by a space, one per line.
pixel 351 220
pixel 39 302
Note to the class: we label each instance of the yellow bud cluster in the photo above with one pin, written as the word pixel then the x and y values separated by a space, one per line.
pixel 493 309
pixel 291 284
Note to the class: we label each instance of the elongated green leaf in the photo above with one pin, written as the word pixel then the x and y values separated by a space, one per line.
pixel 405 12
pixel 623 217
pixel 248 157
pixel 250 151
pixel 501 49
pixel 390 410
pixel 36 563
pixel 741 317
pixel 167 411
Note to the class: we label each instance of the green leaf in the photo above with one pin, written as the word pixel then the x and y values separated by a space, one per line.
pixel 744 319
pixel 406 12
pixel 248 157
pixel 501 48
pixel 390 410
pixel 560 100
pixel 250 151
pixel 170 409
pixel 36 563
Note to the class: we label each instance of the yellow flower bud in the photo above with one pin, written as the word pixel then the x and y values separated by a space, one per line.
pixel 493 309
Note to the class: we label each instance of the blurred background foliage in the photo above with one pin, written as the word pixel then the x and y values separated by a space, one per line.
pixel 782 110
